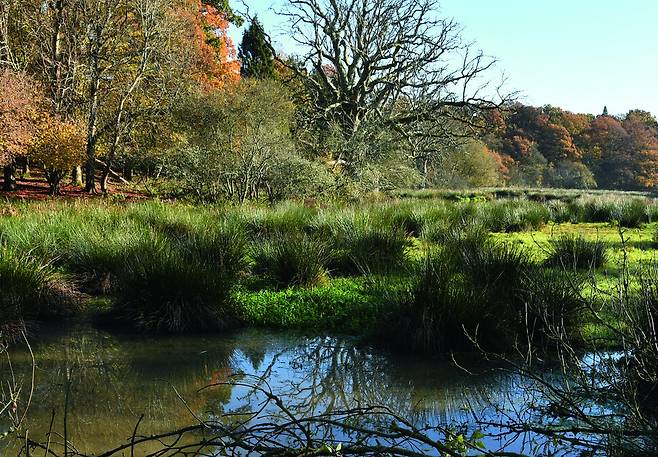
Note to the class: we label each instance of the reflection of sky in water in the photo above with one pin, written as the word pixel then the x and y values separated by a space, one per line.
pixel 115 378
pixel 318 375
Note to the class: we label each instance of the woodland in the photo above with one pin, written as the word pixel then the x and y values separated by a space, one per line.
pixel 164 189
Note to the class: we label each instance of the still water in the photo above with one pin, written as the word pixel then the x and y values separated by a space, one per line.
pixel 107 381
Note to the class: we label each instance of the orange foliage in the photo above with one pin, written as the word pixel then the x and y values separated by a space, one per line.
pixel 19 110
pixel 215 55
pixel 503 163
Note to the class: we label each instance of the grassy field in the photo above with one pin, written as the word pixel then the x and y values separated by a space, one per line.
pixel 419 266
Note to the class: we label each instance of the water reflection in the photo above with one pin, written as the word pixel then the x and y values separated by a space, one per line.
pixel 106 382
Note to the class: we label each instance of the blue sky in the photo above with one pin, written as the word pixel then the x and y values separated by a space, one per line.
pixel 576 54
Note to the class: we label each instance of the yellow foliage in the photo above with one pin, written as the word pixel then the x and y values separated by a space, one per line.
pixel 59 145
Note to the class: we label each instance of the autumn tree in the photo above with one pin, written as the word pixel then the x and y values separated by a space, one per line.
pixel 608 153
pixel 19 111
pixel 643 136
pixel 214 59
pixel 256 55
pixel 57 147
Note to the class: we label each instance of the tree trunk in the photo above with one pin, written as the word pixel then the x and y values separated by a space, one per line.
pixel 92 118
pixel 76 176
pixel 54 179
pixel 10 179
pixel 104 178
pixel 128 172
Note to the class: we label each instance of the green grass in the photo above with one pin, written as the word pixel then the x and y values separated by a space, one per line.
pixel 295 259
pixel 30 288
pixel 177 267
pixel 576 252
pixel 349 305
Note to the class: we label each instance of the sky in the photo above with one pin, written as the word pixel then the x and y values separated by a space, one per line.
pixel 580 55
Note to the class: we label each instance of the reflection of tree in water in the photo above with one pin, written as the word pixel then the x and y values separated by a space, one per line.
pixel 112 380
pixel 105 383
pixel 325 374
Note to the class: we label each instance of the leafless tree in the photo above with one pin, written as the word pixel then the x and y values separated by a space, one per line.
pixel 398 63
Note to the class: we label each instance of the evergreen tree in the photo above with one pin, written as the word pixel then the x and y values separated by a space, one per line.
pixel 605 110
pixel 255 54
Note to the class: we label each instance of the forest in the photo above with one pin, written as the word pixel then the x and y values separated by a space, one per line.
pixel 369 246
pixel 134 91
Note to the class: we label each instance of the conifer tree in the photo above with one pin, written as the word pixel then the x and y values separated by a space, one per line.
pixel 255 54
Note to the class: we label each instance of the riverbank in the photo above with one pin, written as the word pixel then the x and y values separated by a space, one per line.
pixel 418 271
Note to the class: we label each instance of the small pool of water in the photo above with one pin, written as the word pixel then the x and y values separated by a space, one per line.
pixel 104 382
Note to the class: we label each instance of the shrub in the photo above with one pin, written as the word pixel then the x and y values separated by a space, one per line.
pixel 58 147
pixel 576 252
pixel 292 260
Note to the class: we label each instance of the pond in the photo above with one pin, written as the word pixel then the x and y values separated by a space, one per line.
pixel 104 382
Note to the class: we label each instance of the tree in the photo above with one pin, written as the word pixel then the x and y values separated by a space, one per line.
pixel 58 147
pixel 364 56
pixel 19 110
pixel 470 164
pixel 255 55
pixel 643 136
pixel 234 139
pixel 608 147
pixel 214 62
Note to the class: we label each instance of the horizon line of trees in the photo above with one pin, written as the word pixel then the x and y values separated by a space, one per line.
pixel 387 95
pixel 549 146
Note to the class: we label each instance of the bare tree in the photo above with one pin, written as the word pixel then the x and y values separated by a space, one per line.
pixel 396 62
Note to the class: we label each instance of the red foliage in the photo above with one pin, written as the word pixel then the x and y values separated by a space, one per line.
pixel 503 162
pixel 19 113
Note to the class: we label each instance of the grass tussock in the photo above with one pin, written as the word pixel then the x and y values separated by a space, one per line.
pixel 478 293
pixel 292 260
pixel 32 289
pixel 178 268
pixel 577 253
pixel 364 247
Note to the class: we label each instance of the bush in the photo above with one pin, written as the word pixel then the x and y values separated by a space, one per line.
pixel 296 259
pixel 58 147
pixel 576 252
